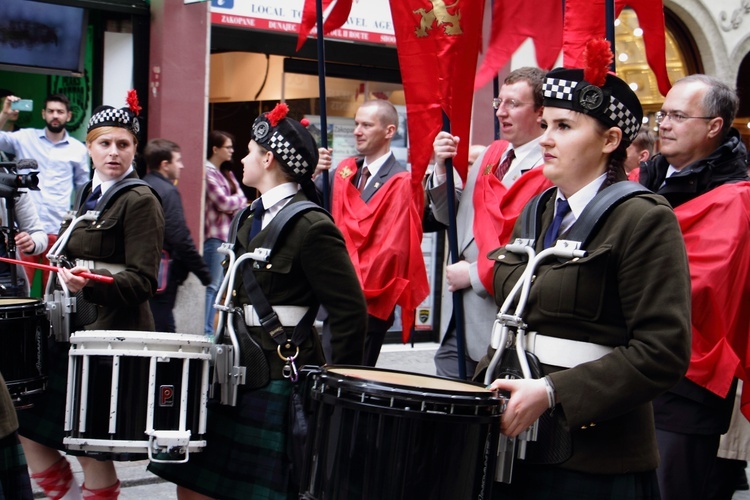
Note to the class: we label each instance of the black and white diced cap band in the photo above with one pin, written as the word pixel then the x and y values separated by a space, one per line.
pixel 288 154
pixel 616 111
pixel 116 118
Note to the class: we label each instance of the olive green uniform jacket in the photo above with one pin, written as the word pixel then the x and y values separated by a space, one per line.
pixel 130 231
pixel 309 267
pixel 611 297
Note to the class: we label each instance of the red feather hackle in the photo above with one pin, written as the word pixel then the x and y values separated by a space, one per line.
pixel 598 58
pixel 132 101
pixel 278 113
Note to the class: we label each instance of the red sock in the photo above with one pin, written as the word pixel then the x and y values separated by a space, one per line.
pixel 108 493
pixel 56 480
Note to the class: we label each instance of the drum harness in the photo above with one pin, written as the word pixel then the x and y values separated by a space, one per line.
pixel 509 331
pixel 60 305
pixel 229 370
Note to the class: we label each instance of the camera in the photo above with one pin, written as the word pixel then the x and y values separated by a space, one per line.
pixel 11 181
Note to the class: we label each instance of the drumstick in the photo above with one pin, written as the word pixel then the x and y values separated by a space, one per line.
pixel 83 274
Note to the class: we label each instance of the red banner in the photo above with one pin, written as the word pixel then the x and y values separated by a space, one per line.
pixel 438 47
pixel 585 19
pixel 336 18
pixel 513 21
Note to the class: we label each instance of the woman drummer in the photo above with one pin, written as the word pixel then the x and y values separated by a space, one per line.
pixel 607 301
pixel 246 446
pixel 126 246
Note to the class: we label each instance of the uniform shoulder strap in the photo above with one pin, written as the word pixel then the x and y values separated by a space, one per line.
pixel 599 208
pixel 237 220
pixel 277 225
pixel 531 216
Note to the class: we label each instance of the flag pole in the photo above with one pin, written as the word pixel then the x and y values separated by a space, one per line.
pixel 322 99
pixel 609 19
pixel 458 305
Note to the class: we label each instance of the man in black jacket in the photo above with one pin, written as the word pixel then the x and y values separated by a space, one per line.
pixel 164 162
pixel 700 151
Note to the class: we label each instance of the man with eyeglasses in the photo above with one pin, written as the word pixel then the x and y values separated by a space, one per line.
pixel 489 204
pixel 701 171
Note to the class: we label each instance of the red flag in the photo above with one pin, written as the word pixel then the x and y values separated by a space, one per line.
pixel 584 20
pixel 383 238
pixel 438 46
pixel 715 228
pixel 513 21
pixel 336 18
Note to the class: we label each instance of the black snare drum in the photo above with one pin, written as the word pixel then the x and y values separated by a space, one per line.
pixel 378 434
pixel 132 393
pixel 23 355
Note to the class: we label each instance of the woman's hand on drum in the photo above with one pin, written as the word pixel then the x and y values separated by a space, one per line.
pixel 528 400
pixel 71 279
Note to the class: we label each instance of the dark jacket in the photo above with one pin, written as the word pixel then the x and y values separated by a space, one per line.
pixel 130 232
pixel 309 267
pixel 177 240
pixel 727 164
pixel 606 298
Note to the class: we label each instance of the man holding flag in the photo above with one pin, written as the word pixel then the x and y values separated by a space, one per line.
pixel 493 197
pixel 372 204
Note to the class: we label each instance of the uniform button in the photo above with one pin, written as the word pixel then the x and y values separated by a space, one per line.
pixel 501 257
pixel 269 266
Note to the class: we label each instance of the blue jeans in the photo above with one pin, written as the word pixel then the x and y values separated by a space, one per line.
pixel 213 261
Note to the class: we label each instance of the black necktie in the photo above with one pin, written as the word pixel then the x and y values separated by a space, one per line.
pixel 563 207
pixel 93 198
pixel 258 210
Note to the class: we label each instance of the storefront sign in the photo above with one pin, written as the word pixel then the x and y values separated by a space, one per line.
pixel 369 20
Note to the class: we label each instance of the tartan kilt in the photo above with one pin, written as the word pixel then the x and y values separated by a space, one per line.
pixel 539 482
pixel 245 454
pixel 14 473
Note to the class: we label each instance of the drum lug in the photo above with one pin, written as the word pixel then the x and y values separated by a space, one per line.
pixel 174 443
pixel 227 376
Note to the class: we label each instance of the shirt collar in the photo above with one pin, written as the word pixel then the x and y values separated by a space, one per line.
pixel 375 166
pixel 523 151
pixel 275 199
pixel 96 181
pixel 579 200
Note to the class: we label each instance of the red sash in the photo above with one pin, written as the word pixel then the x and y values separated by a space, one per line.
pixel 384 240
pixel 496 208
pixel 716 228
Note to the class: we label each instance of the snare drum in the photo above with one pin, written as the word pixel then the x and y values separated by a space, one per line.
pixel 23 355
pixel 137 392
pixel 386 434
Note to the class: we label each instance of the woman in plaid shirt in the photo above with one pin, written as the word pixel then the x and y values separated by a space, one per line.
pixel 224 197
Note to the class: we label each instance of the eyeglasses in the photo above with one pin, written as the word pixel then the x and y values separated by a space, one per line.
pixel 228 147
pixel 510 104
pixel 677 117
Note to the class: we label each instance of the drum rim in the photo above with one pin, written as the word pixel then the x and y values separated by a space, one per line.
pixel 26 301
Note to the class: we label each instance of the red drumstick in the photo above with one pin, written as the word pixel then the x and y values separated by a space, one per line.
pixel 84 274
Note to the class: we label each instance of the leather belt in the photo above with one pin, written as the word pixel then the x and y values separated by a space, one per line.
pixel 97 264
pixel 564 353
pixel 288 315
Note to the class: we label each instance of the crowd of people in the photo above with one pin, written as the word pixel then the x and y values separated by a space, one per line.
pixel 638 338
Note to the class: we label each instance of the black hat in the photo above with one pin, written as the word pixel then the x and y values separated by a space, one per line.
pixel 127 118
pixel 595 92
pixel 289 141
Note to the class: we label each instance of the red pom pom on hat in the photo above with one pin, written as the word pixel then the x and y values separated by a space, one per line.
pixel 598 59
pixel 277 114
pixel 132 101
pixel 304 122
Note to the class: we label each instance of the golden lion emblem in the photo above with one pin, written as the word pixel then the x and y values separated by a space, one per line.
pixel 439 14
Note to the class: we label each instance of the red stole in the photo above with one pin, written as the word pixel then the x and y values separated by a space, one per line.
pixel 384 240
pixel 496 207
pixel 716 228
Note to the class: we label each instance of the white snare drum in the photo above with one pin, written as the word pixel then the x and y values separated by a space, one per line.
pixel 137 392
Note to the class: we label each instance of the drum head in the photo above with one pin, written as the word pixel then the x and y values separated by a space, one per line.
pixel 407 380
pixel 17 301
